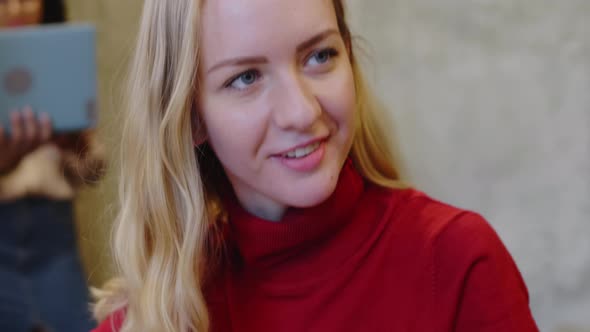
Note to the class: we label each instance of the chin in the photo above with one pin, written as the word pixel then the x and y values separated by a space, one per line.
pixel 311 198
pixel 312 191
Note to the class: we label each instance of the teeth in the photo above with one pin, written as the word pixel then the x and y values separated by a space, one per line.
pixel 302 152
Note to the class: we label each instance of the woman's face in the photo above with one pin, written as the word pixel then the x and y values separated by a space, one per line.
pixel 20 12
pixel 277 98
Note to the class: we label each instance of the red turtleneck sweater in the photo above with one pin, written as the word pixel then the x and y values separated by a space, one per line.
pixel 368 259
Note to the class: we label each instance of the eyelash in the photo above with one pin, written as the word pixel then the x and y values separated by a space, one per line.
pixel 229 84
pixel 330 52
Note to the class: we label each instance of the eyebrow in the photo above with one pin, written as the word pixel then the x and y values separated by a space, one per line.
pixel 250 60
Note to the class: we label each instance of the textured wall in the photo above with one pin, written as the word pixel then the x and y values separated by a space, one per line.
pixel 491 102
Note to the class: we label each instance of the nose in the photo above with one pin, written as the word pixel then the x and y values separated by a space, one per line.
pixel 296 106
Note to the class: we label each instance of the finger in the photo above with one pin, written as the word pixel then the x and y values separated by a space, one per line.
pixel 17 128
pixel 45 127
pixel 31 128
pixel 2 139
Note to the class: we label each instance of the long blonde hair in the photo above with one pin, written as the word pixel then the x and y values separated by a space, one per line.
pixel 164 238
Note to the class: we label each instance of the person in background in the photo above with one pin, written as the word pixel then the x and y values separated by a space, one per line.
pixel 258 191
pixel 42 285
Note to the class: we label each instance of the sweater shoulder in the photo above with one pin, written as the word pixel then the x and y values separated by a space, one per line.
pixel 471 272
pixel 417 212
pixel 448 226
pixel 436 225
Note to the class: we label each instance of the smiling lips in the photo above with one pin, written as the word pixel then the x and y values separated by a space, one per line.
pixel 304 158
pixel 302 151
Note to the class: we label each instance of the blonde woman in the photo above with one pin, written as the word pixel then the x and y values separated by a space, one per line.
pixel 258 192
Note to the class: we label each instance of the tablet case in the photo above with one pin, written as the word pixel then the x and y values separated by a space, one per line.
pixel 51 68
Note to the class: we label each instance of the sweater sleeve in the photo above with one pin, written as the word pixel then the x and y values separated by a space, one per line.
pixel 481 280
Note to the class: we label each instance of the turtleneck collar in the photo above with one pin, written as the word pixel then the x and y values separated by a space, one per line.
pixel 265 244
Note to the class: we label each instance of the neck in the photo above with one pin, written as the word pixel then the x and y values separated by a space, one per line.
pixel 262 243
pixel 271 212
pixel 261 206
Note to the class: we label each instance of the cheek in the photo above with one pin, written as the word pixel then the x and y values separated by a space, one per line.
pixel 339 101
pixel 219 127
pixel 234 130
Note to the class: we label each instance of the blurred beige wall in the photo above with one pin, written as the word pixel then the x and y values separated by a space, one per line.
pixel 491 102
pixel 116 22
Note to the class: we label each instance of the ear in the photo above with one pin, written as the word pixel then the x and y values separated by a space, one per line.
pixel 199 132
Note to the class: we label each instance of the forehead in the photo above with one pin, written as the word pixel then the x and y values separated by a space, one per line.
pixel 230 26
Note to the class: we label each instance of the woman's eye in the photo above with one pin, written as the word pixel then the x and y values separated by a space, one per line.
pixel 321 57
pixel 244 80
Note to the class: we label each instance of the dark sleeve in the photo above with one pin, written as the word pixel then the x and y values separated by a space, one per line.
pixel 480 279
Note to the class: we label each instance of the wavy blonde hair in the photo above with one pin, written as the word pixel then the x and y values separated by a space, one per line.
pixel 165 238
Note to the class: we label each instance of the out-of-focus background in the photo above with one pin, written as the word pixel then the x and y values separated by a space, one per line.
pixel 491 102
pixel 491 108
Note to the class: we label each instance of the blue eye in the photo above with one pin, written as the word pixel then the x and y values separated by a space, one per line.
pixel 244 80
pixel 321 57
